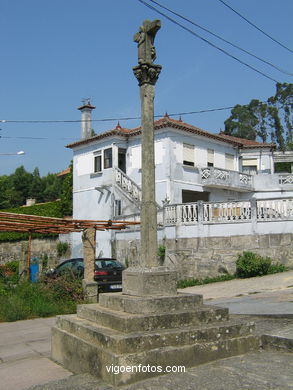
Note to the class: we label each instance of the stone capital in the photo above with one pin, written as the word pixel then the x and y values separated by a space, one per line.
pixel 147 73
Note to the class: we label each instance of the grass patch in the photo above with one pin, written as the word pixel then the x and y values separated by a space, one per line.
pixel 199 282
pixel 48 297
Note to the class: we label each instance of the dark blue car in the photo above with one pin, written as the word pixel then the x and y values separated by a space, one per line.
pixel 107 273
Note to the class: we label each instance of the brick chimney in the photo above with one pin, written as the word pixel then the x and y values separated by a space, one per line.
pixel 86 119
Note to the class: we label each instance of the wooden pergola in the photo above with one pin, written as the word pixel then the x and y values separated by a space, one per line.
pixel 23 223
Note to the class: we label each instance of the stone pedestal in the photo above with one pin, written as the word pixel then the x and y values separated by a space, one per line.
pixel 90 290
pixel 139 337
pixel 155 281
pixel 90 287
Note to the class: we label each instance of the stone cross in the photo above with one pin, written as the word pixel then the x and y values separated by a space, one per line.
pixel 149 278
pixel 145 41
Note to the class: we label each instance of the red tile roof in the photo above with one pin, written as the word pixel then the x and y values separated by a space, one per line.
pixel 64 172
pixel 247 143
pixel 167 122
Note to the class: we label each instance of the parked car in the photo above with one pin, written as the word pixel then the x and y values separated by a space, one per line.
pixel 107 272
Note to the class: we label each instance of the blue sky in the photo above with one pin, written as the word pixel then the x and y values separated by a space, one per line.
pixel 54 53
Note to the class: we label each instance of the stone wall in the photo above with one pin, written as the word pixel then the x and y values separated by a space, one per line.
pixel 10 251
pixel 211 256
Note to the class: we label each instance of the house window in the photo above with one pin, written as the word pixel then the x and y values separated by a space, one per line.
pixel 118 208
pixel 194 196
pixel 98 161
pixel 211 153
pixel 229 161
pixel 249 166
pixel 122 159
pixel 188 155
pixel 108 158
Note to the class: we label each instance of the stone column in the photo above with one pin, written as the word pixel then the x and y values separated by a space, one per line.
pixel 90 287
pixel 148 214
pixel 149 278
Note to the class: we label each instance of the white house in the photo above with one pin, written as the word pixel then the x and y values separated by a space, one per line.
pixel 191 165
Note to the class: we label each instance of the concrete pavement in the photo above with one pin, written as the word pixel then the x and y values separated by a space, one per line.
pixel 25 346
pixel 25 354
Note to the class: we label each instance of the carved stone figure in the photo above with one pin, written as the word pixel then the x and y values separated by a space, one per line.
pixel 145 41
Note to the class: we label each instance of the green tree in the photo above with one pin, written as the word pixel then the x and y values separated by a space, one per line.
pixel 22 182
pixel 52 186
pixel 241 123
pixel 66 193
pixel 267 121
pixel 8 195
pixel 37 190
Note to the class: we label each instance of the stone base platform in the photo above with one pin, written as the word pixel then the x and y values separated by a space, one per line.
pixel 138 334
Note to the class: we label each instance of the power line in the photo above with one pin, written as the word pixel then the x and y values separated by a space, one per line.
pixel 223 39
pixel 39 138
pixel 115 119
pixel 252 24
pixel 206 41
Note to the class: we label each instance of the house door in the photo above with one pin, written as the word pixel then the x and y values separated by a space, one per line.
pixel 122 159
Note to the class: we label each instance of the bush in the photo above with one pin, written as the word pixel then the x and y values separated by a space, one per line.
pixel 250 264
pixel 64 287
pixel 48 297
pixel 275 268
pixel 62 248
pixel 9 272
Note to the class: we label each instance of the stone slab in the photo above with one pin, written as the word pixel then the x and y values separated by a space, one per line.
pixel 118 342
pixel 128 322
pixel 281 339
pixel 144 305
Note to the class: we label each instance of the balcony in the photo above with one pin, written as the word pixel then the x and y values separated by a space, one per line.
pixel 223 178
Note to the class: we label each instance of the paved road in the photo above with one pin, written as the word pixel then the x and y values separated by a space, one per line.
pixel 240 287
pixel 267 295
pixel 25 347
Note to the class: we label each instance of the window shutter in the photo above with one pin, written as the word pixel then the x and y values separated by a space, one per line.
pixel 229 161
pixel 211 156
pixel 249 163
pixel 188 154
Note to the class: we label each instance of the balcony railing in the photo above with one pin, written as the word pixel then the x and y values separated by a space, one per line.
pixel 229 212
pixel 286 179
pixel 128 186
pixel 216 177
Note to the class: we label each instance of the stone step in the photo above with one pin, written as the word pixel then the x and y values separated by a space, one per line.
pixel 116 341
pixel 281 340
pixel 80 356
pixel 129 322
pixel 146 305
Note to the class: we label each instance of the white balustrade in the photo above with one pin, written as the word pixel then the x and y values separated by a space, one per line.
pixel 245 179
pixel 129 186
pixel 220 177
pixel 181 214
pixel 274 209
pixel 285 179
pixel 226 212
pixel 205 173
